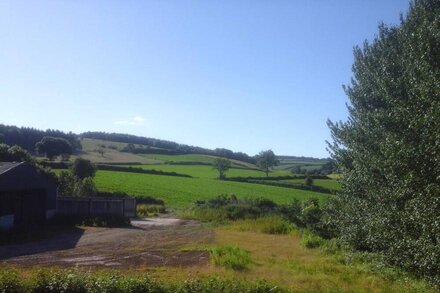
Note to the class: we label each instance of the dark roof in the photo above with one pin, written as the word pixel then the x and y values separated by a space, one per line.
pixel 6 166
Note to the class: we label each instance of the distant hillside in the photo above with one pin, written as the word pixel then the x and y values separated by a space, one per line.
pixel 121 147
pixel 296 164
pixel 157 144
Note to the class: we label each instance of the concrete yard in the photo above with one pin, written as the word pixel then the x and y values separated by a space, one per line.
pixel 150 242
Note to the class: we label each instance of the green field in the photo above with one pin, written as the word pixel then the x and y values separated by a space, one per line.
pixel 194 158
pixel 203 171
pixel 178 192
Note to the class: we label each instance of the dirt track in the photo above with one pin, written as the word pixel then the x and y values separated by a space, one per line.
pixel 152 243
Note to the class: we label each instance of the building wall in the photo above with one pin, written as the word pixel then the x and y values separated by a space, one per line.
pixel 26 195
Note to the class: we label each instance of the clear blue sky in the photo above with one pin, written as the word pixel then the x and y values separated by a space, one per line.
pixel 245 75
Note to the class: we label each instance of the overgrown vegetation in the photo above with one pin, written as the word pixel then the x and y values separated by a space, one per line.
pixel 388 150
pixel 231 257
pixel 266 224
pixel 75 281
pixel 78 181
pixel 149 210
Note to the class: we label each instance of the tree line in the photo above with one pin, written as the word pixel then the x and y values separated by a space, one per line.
pixel 27 137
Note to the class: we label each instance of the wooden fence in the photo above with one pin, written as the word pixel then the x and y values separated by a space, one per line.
pixel 95 206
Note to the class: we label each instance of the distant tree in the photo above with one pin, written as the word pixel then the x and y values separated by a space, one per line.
pixel 308 181
pixel 296 169
pixel 222 165
pixel 101 150
pixel 329 167
pixel 266 160
pixel 53 146
pixel 130 148
pixel 83 168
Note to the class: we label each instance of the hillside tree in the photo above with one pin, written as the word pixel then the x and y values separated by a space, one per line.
pixel 222 165
pixel 266 160
pixel 53 146
pixel 389 149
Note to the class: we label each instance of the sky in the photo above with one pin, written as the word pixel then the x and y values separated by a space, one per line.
pixel 244 75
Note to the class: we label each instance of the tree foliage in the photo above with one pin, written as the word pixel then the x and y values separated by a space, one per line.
pixel 266 160
pixel 26 137
pixel 389 149
pixel 222 165
pixel 13 154
pixel 71 185
pixel 53 146
pixel 82 168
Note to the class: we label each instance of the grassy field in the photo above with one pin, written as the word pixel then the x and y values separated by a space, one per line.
pixel 194 158
pixel 203 171
pixel 180 192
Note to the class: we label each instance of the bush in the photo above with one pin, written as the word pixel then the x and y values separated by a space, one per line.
pixel 66 282
pixel 233 208
pixel 73 281
pixel 10 282
pixel 231 257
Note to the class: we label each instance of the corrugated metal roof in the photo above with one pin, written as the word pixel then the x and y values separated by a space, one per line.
pixel 6 166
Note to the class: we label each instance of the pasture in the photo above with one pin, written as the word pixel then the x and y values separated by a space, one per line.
pixel 178 192
pixel 206 171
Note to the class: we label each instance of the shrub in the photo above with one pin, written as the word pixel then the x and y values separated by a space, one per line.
pixel 73 281
pixel 67 282
pixel 233 208
pixel 231 257
pixel 10 282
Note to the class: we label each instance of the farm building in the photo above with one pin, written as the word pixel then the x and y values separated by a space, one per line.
pixel 27 197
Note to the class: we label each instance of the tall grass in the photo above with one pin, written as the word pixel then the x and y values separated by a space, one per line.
pixel 267 225
pixel 231 257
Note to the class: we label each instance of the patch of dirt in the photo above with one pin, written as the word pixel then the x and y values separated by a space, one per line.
pixel 149 242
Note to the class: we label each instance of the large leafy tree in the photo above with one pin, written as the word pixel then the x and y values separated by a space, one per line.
pixel 53 146
pixel 389 149
pixel 266 160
